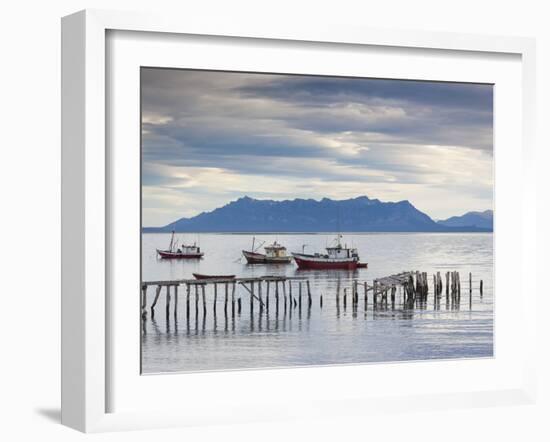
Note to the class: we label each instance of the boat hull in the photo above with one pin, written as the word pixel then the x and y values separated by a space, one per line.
pixel 321 263
pixel 259 258
pixel 201 276
pixel 165 254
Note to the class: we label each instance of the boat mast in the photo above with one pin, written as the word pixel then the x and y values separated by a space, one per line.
pixel 338 244
pixel 172 240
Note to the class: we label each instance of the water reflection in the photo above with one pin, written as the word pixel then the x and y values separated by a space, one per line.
pixel 345 325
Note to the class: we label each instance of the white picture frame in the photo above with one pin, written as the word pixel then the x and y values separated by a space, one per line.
pixel 87 203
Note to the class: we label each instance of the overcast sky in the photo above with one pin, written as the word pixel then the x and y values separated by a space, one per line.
pixel 212 137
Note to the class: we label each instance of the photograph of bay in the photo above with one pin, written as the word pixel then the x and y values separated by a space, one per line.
pixel 302 220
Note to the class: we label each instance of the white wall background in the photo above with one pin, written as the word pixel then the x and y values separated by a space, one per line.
pixel 30 219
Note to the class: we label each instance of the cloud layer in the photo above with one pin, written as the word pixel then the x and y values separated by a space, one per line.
pixel 209 137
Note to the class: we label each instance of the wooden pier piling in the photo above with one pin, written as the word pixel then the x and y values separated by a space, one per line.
pixel 157 294
pixel 196 301
pixel 338 293
pixel 175 300
pixel 187 295
pixel 233 300
pixel 143 300
pixel 203 299
pixel 414 288
pixel 167 300
pixel 345 296
pixel 215 297
pixel 226 295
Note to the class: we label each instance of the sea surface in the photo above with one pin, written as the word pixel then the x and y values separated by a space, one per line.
pixel 327 334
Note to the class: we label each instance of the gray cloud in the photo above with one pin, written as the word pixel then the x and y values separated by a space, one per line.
pixel 342 130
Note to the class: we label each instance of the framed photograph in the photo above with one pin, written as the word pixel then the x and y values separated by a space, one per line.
pixel 317 215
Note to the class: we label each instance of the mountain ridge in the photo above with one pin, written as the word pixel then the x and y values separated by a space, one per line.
pixel 470 219
pixel 359 214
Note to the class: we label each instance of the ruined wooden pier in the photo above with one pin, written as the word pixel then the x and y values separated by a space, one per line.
pixel 410 288
pixel 253 286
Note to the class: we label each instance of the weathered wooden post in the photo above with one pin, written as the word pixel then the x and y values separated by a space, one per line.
pixel 239 306
pixel 225 298
pixel 215 296
pixel 167 300
pixel 470 279
pixel 196 300
pixel 187 295
pixel 453 284
pixel 175 300
pixel 289 289
pixel 321 301
pixel 374 292
pixel 277 294
pixel 447 284
pixel 411 288
pixel 284 300
pixel 251 298
pixel 308 293
pixel 267 296
pixel 260 296
pixel 157 294
pixel 366 293
pixel 289 294
pixel 203 299
pixel 143 300
pixel 345 296
pixel 233 299
pixel 300 295
pixel 481 287
pixel 284 293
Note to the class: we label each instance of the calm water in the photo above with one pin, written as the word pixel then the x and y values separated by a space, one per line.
pixel 321 335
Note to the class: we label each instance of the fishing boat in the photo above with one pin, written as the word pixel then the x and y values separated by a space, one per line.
pixel 180 252
pixel 274 254
pixel 201 276
pixel 337 257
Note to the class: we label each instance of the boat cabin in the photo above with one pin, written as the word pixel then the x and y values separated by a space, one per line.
pixel 188 249
pixel 275 250
pixel 340 252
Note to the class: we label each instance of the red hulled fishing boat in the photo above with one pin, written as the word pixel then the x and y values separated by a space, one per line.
pixel 180 252
pixel 337 257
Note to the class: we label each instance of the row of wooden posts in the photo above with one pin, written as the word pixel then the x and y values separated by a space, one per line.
pixel 252 285
pixel 414 288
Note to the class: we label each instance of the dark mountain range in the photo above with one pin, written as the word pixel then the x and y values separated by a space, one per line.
pixel 482 220
pixel 360 214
